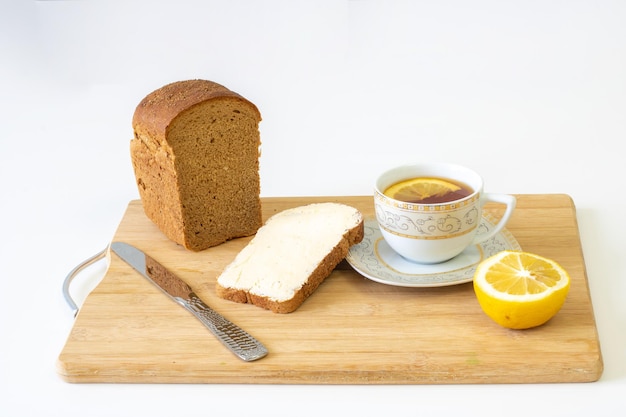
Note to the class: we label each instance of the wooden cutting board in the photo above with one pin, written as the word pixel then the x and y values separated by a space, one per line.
pixel 350 331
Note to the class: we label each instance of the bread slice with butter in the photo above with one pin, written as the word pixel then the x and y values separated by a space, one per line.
pixel 291 255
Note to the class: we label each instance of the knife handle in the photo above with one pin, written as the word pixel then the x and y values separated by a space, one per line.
pixel 240 342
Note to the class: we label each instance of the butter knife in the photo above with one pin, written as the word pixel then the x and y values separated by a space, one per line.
pixel 232 336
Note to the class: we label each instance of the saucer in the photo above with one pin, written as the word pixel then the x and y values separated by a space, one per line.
pixel 374 259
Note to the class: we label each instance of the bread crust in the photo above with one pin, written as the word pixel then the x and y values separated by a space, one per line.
pixel 321 272
pixel 156 111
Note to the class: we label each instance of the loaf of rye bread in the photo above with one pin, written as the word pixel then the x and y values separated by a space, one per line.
pixel 291 255
pixel 195 155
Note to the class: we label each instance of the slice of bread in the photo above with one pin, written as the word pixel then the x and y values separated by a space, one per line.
pixel 196 160
pixel 291 255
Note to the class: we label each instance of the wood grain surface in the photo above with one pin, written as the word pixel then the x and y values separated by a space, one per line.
pixel 350 331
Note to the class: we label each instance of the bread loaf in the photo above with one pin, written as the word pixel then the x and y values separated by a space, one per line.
pixel 195 155
pixel 291 255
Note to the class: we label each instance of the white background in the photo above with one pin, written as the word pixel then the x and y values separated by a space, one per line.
pixel 532 94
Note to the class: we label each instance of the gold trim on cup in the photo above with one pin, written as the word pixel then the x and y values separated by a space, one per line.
pixel 430 237
pixel 453 206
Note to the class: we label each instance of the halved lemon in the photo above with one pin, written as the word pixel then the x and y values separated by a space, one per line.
pixel 520 290
pixel 418 189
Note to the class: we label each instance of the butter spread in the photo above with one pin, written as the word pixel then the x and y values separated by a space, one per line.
pixel 277 262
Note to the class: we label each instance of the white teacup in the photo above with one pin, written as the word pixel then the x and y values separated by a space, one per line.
pixel 433 233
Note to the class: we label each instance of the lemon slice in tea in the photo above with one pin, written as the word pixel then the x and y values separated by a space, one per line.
pixel 420 190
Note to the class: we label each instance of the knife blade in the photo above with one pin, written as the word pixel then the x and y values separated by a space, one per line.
pixel 237 340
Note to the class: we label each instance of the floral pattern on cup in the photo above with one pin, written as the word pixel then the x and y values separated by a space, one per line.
pixel 421 224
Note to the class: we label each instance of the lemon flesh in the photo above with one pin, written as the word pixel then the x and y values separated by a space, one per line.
pixel 520 290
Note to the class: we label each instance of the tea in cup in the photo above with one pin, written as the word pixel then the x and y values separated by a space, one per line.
pixel 430 213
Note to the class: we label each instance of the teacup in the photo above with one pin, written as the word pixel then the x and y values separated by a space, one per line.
pixel 432 232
